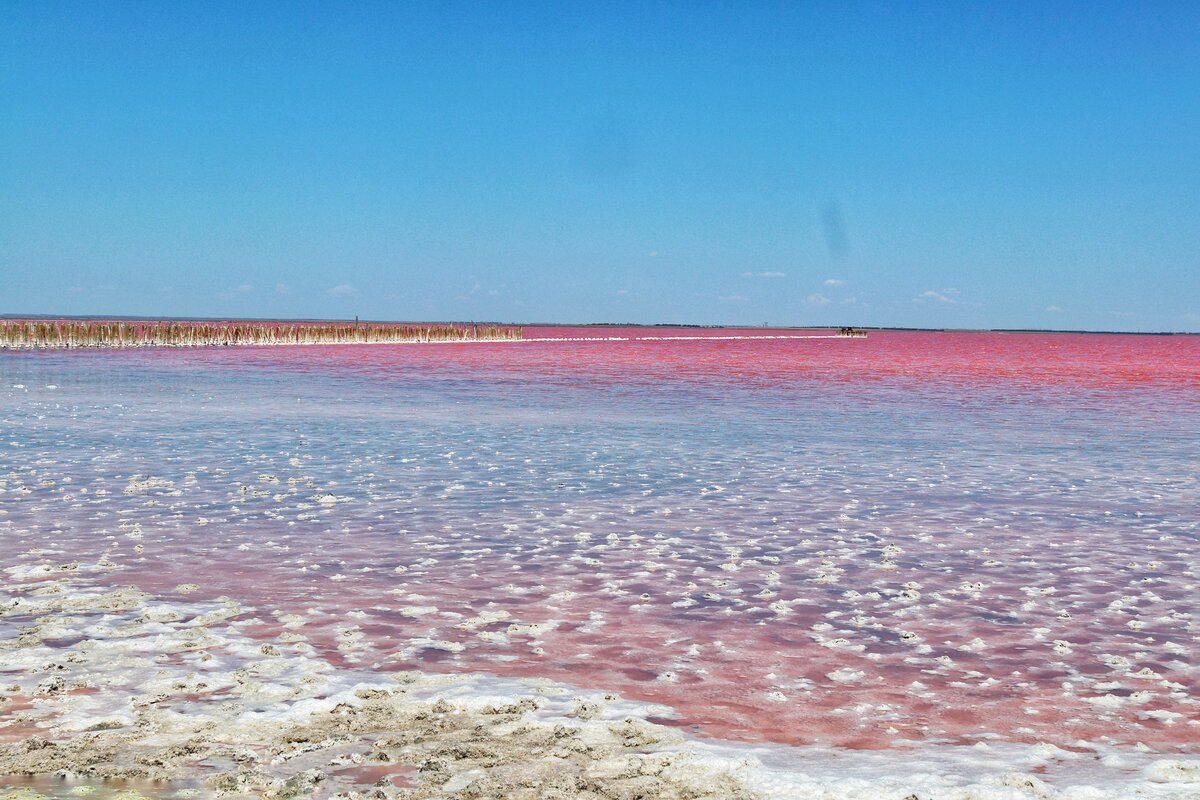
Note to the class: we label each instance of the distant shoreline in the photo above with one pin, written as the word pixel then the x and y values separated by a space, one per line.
pixel 493 323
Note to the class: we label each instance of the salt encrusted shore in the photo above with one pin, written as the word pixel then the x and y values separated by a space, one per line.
pixel 104 685
pixel 149 690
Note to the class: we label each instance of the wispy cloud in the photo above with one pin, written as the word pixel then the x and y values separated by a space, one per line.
pixel 342 290
pixel 732 298
pixel 282 288
pixel 764 274
pixel 834 282
pixel 1055 309
pixel 474 291
pixel 817 300
pixel 949 296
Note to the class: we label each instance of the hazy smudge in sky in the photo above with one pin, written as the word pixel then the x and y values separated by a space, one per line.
pixel 835 229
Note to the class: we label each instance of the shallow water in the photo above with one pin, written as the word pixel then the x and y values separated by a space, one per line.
pixel 914 538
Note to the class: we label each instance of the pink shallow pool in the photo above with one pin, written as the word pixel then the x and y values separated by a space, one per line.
pixel 913 537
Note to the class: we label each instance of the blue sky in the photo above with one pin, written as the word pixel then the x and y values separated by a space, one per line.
pixel 920 164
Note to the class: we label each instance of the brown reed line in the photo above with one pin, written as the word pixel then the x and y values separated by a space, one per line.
pixel 25 334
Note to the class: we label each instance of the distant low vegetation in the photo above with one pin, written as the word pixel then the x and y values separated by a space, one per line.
pixel 20 334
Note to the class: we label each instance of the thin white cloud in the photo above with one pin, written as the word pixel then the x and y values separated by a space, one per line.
pixel 817 300
pixel 732 298
pixel 764 274
pixel 472 294
pixel 948 297
pixel 834 282
pixel 944 296
pixel 76 289
pixel 282 288
pixel 343 290
pixel 1055 309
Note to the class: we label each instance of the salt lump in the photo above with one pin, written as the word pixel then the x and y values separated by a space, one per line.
pixel 1171 771
pixel 139 485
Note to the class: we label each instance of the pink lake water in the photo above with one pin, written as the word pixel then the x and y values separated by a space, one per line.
pixel 913 538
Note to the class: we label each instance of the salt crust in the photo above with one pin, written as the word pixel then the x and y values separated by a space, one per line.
pixel 111 683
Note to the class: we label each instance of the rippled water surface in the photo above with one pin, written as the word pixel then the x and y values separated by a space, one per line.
pixel 853 542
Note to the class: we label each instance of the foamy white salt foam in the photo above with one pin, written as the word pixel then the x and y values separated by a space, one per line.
pixel 1000 771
